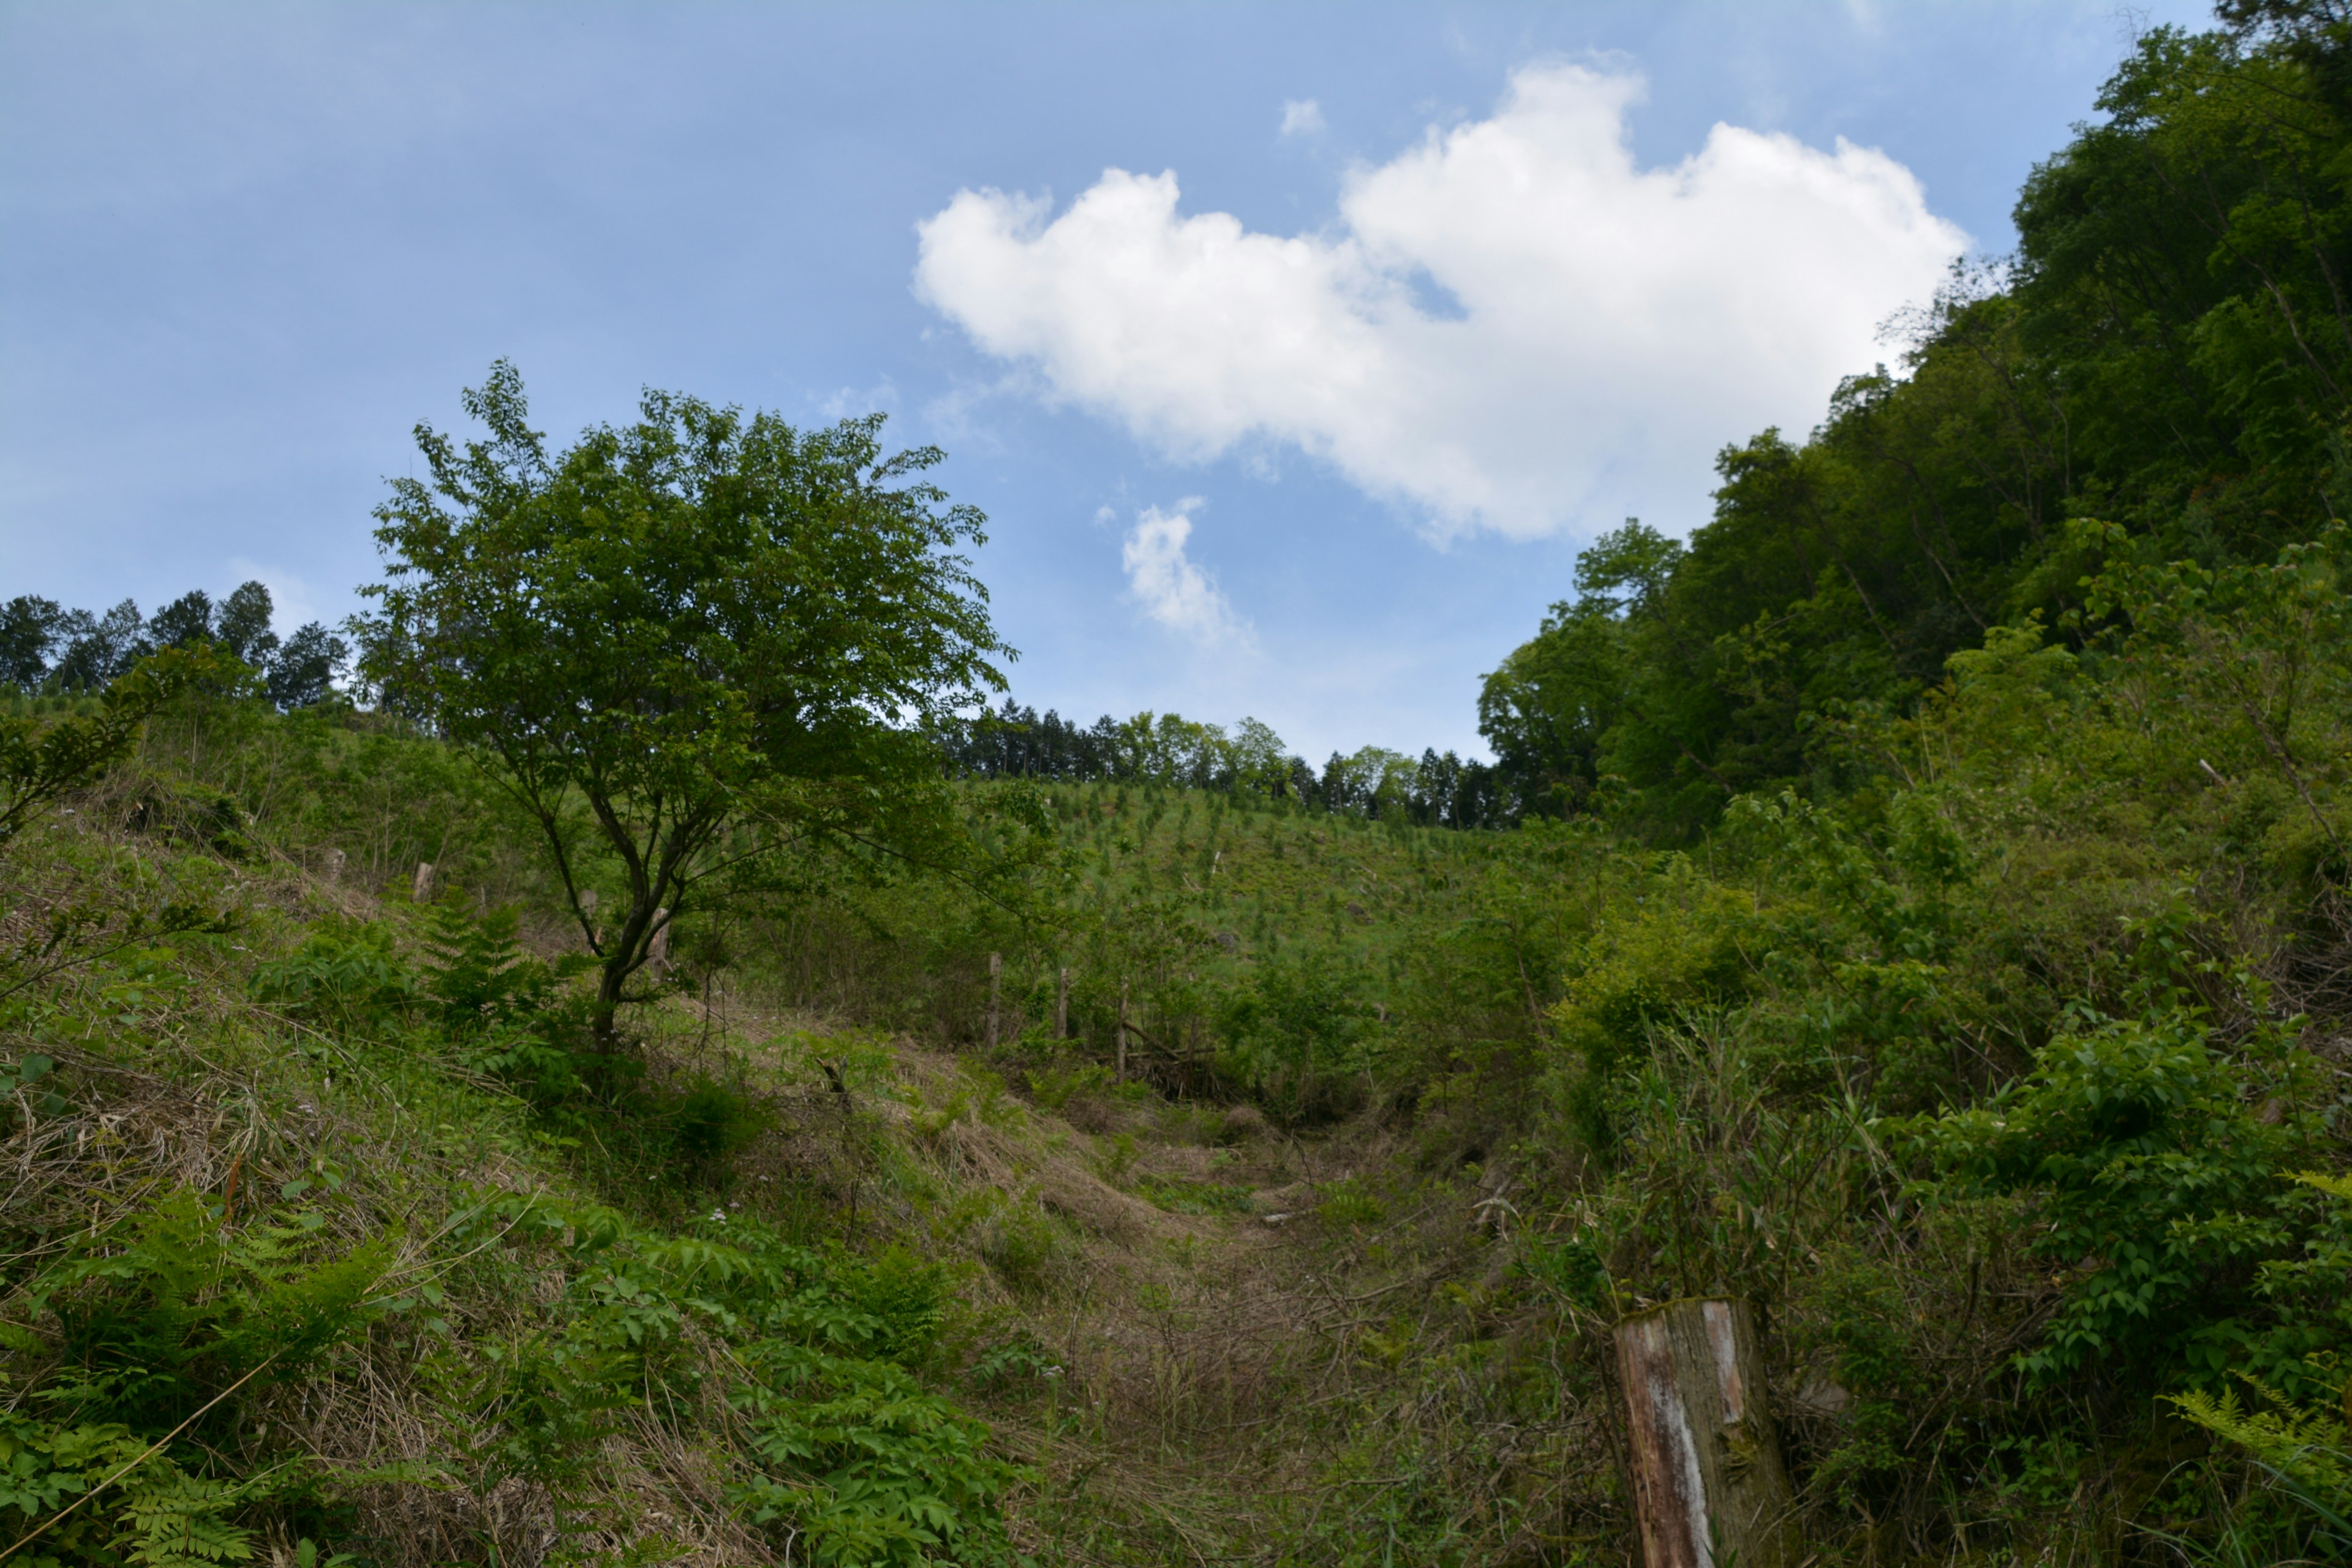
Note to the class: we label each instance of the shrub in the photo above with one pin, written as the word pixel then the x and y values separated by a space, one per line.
pixel 2160 1162
pixel 346 975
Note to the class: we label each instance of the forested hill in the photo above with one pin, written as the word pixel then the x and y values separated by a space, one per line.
pixel 2163 371
pixel 664 1063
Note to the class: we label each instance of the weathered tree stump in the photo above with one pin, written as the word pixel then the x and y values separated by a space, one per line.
pixel 1708 1483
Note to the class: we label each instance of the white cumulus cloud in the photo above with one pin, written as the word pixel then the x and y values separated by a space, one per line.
pixel 1513 326
pixel 1166 581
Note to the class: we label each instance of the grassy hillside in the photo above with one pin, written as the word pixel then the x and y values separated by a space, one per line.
pixel 1991 1085
pixel 331 1230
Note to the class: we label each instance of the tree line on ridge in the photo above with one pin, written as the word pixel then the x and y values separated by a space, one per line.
pixel 44 648
pixel 1439 790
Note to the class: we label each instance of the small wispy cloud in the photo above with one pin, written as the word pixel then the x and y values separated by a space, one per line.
pixel 1302 117
pixel 852 402
pixel 1169 586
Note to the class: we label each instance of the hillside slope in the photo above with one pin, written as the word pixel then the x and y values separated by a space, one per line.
pixel 1989 1087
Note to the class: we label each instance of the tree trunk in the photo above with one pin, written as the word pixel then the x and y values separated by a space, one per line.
pixel 1707 1480
pixel 1122 1031
pixel 602 1026
pixel 1062 1006
pixel 420 890
pixel 621 959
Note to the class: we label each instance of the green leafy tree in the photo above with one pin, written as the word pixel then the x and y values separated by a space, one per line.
pixel 2183 261
pixel 302 671
pixel 1260 761
pixel 184 622
pixel 721 637
pixel 28 629
pixel 241 623
pixel 99 647
pixel 1546 709
pixel 1298 1025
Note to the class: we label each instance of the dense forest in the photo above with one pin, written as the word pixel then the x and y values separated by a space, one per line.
pixel 1169 750
pixel 637 1049
pixel 2159 373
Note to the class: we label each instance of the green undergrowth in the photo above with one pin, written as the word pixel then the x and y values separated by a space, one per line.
pixel 332 1240
pixel 2005 1085
pixel 1999 1080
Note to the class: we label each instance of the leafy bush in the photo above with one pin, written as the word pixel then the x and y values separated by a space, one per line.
pixel 850 1459
pixel 2161 1166
pixel 708 1121
pixel 1299 1032
pixel 1053 1088
pixel 153 1513
pixel 346 975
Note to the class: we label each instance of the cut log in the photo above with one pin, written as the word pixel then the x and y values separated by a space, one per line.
pixel 1708 1483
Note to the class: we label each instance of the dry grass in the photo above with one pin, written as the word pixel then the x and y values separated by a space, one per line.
pixel 1215 1368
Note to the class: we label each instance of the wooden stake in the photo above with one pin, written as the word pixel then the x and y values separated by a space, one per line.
pixel 420 891
pixel 1062 1006
pixel 1707 1480
pixel 1122 1031
pixel 995 983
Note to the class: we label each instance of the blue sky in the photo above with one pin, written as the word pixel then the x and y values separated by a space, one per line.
pixel 1323 458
